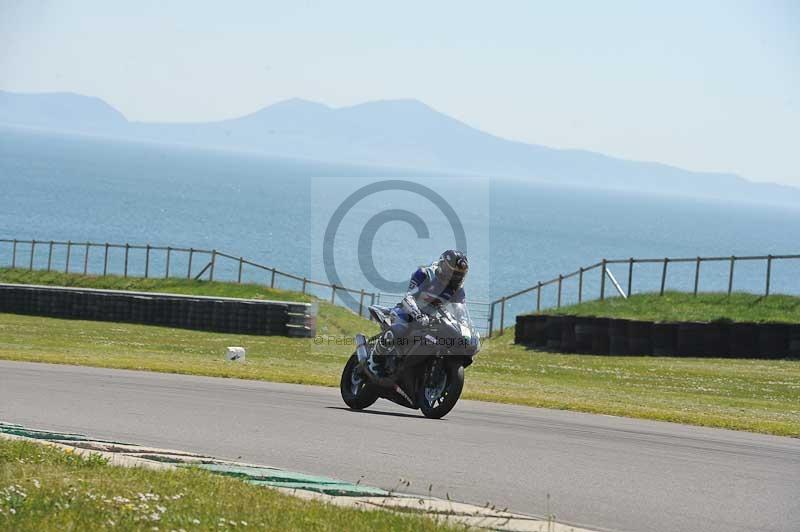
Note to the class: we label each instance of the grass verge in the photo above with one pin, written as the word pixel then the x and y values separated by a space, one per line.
pixel 43 488
pixel 680 306
pixel 754 395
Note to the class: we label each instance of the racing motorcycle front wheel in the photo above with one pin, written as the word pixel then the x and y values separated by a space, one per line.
pixel 441 387
pixel 357 391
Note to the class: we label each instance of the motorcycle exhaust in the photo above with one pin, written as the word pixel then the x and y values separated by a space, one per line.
pixel 361 348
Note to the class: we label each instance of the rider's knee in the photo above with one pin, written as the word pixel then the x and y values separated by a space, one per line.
pixel 399 329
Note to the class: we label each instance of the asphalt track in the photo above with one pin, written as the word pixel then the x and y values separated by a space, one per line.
pixel 599 471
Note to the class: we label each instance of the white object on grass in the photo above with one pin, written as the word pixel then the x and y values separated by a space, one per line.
pixel 235 353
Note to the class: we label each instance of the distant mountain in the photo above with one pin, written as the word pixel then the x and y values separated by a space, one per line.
pixel 59 110
pixel 396 133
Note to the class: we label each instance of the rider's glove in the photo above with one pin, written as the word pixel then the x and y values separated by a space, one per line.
pixel 423 320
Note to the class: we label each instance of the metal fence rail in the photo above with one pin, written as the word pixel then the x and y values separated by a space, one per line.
pixel 161 262
pixel 186 262
pixel 196 263
pixel 605 274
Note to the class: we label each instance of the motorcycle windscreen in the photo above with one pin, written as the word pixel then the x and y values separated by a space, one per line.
pixel 460 312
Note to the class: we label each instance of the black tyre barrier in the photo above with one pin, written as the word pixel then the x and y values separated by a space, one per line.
pixel 568 334
pixel 553 333
pixel 604 336
pixel 794 342
pixel 527 329
pixel 744 340
pixel 640 337
pixel 540 332
pixel 690 339
pixel 583 335
pixel 773 339
pixel 534 328
pixel 618 337
pixel 716 339
pixel 665 338
pixel 600 336
pixel 229 315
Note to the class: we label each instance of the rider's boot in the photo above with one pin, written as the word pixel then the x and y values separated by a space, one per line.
pixel 381 351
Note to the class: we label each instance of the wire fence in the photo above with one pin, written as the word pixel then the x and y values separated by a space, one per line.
pixel 148 261
pixel 582 284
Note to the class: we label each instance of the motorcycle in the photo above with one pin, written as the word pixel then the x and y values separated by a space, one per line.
pixel 427 369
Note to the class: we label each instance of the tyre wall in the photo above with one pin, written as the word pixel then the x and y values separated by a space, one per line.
pixel 229 315
pixel 612 336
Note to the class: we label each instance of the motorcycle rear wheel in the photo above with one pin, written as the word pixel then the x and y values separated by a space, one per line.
pixel 357 391
pixel 435 404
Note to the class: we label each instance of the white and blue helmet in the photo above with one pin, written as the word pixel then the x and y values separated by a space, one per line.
pixel 452 268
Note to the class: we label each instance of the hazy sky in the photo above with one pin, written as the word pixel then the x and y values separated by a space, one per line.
pixel 702 85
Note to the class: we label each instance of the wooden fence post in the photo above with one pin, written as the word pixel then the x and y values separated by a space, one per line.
pixel 769 273
pixel 630 276
pixel 538 296
pixel 241 263
pixel 166 270
pixel 560 280
pixel 105 260
pixel 372 299
pixel 664 276
pixel 603 280
pixel 580 285
pixel 147 261
pixel 502 314
pixel 189 269
pixel 304 284
pixel 361 303
pixel 33 246
pixel 213 261
pixel 14 254
pixel 333 293
pixel 272 281
pixel 491 318
pixel 697 275
pixel 50 256
pixel 127 250
pixel 69 251
pixel 730 276
pixel 86 259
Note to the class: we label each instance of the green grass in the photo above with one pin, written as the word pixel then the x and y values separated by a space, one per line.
pixel 43 488
pixel 679 306
pixel 172 285
pixel 754 395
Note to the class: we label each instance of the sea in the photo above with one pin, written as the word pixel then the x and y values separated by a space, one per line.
pixel 366 227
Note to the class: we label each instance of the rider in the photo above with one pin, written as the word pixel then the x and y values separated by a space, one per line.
pixel 440 283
